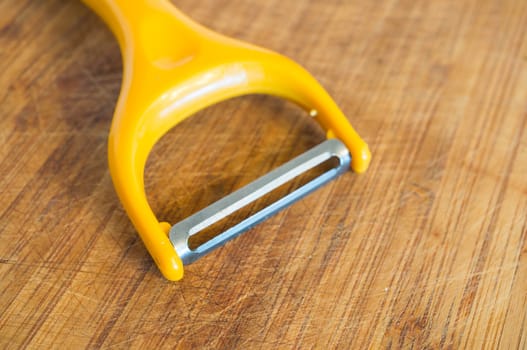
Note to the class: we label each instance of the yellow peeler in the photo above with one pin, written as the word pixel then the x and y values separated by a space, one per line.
pixel 174 67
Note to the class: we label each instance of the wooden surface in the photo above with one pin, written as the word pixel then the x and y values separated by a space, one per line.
pixel 427 249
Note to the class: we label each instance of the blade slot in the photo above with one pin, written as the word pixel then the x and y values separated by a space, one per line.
pixel 247 195
pixel 194 241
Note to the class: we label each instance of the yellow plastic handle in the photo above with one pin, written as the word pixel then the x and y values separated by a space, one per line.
pixel 174 67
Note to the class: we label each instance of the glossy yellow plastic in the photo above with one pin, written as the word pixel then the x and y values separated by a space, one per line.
pixel 174 67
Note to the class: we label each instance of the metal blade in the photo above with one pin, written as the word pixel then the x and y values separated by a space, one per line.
pixel 180 232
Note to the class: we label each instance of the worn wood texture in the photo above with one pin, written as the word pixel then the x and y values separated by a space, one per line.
pixel 427 249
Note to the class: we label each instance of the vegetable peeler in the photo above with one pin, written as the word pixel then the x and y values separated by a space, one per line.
pixel 174 67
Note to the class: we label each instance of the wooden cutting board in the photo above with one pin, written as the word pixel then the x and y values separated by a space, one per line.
pixel 426 249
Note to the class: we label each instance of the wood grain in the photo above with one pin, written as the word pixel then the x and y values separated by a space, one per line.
pixel 426 250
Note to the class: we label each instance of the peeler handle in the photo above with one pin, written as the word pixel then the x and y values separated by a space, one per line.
pixel 141 27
